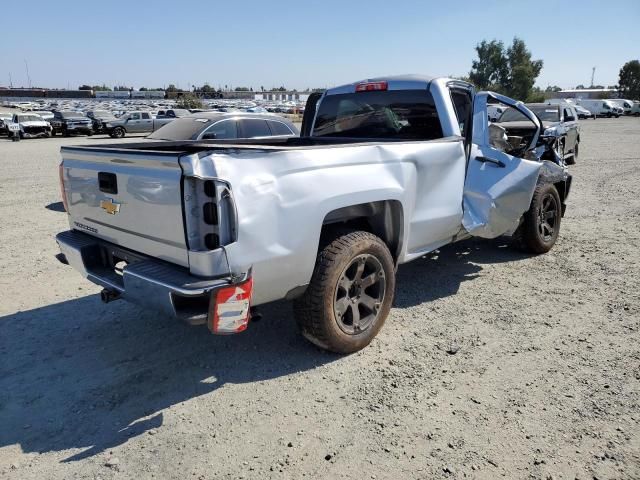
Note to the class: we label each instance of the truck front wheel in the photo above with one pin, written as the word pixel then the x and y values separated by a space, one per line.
pixel 541 224
pixel 350 293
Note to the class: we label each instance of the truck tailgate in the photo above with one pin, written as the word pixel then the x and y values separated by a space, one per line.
pixel 130 198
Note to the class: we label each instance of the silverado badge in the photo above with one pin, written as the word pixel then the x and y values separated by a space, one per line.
pixel 110 206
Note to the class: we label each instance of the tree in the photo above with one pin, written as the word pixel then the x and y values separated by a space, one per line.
pixel 490 70
pixel 553 88
pixel 522 70
pixel 188 101
pixel 629 80
pixel 509 71
pixel 172 88
pixel 143 89
pixel 84 87
pixel 580 87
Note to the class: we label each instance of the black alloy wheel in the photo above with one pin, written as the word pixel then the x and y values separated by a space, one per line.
pixel 359 294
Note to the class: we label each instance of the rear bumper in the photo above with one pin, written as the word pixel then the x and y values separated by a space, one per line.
pixel 143 280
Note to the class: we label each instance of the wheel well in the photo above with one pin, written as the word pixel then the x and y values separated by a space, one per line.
pixel 382 218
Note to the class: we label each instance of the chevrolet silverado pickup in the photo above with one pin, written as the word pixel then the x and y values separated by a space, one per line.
pixel 385 171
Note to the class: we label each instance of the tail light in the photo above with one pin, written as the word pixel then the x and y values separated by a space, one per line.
pixel 371 86
pixel 229 309
pixel 62 190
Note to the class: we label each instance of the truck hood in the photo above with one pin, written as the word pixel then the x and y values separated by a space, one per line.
pixel 524 124
pixel 34 123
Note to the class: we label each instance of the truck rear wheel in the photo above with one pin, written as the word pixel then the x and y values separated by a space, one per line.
pixel 541 224
pixel 350 293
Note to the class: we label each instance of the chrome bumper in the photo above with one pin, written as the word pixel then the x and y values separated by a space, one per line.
pixel 146 281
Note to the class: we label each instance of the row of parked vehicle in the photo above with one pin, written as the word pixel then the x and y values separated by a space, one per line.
pixel 189 125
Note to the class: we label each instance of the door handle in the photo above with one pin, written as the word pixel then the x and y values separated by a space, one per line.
pixel 497 163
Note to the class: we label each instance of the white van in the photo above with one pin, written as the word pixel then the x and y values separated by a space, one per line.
pixel 626 105
pixel 600 108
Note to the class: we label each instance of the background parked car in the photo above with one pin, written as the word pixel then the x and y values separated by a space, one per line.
pixel 559 121
pixel 99 118
pixel 583 113
pixel 635 110
pixel 5 120
pixel 32 125
pixel 70 122
pixel 132 122
pixel 222 126
pixel 600 108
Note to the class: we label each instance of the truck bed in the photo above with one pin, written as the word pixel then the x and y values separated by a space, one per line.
pixel 194 146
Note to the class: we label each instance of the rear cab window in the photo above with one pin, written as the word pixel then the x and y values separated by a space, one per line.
pixel 389 114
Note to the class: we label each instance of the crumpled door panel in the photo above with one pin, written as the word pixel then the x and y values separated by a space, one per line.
pixel 498 186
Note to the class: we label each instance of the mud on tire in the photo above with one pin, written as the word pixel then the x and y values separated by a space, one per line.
pixel 350 293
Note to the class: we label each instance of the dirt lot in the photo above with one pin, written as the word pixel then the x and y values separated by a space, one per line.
pixel 545 382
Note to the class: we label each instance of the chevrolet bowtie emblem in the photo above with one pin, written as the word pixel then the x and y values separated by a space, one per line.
pixel 110 206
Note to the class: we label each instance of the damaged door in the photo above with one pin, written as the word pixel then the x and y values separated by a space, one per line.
pixel 499 183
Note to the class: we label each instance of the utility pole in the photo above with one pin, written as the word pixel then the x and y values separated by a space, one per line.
pixel 593 74
pixel 10 81
pixel 26 66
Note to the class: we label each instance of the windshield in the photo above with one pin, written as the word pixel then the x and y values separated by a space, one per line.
pixel 181 128
pixel 71 115
pixel 401 114
pixel 29 118
pixel 546 113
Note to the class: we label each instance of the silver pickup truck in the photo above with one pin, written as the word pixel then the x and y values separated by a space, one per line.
pixel 141 122
pixel 385 171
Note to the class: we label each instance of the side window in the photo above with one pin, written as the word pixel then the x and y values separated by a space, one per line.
pixel 221 130
pixel 462 106
pixel 253 127
pixel 134 116
pixel 279 128
pixel 146 116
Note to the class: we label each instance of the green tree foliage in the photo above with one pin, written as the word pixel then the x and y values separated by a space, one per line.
pixel 490 71
pixel 629 80
pixel 172 88
pixel 553 88
pixel 95 88
pixel 189 101
pixel 510 71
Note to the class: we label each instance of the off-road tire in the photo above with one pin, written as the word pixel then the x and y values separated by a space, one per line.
pixel 529 236
pixel 315 311
pixel 118 132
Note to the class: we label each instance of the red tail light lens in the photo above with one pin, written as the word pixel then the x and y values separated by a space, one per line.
pixel 229 308
pixel 371 86
pixel 62 191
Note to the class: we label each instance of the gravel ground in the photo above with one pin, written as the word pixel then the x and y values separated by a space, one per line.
pixel 491 364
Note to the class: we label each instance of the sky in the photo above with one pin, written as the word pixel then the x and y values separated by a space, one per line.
pixel 301 44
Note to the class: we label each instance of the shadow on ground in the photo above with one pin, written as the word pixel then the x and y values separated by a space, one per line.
pixel 56 207
pixel 83 375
